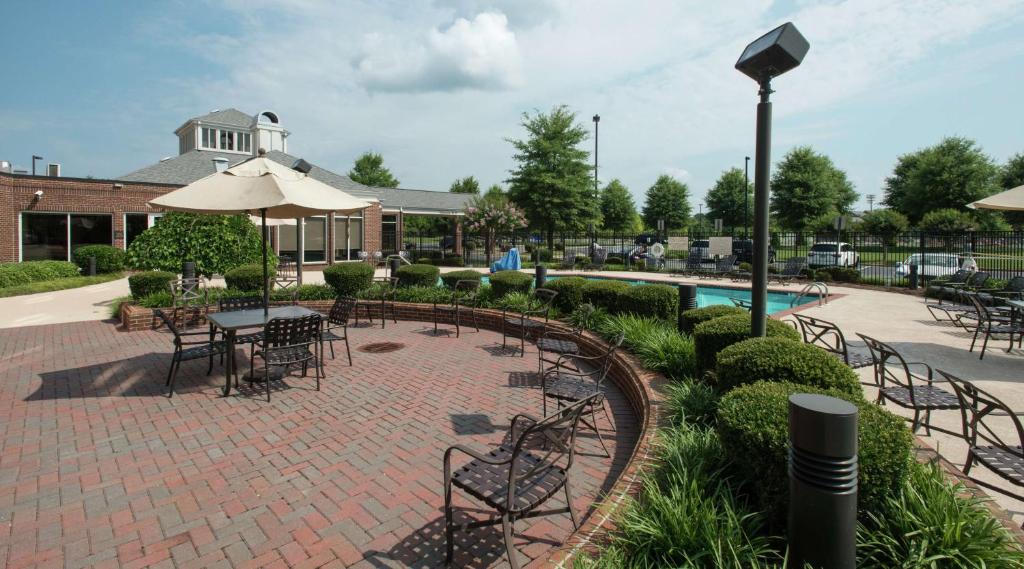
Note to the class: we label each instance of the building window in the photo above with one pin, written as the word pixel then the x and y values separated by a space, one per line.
pixel 246 142
pixel 348 238
pixel 44 237
pixel 314 237
pixel 389 234
pixel 134 225
pixel 209 138
pixel 287 242
pixel 91 230
pixel 227 140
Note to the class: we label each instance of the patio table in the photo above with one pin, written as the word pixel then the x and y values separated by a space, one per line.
pixel 232 322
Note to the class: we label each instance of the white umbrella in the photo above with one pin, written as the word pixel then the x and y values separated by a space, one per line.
pixel 260 184
pixel 1010 200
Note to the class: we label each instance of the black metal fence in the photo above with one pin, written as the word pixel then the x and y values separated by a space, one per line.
pixel 881 259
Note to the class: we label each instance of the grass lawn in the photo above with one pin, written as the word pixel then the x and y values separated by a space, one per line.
pixel 58 284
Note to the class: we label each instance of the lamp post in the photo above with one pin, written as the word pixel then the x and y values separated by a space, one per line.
pixel 767 57
pixel 871 202
pixel 34 158
pixel 597 119
pixel 700 214
pixel 746 196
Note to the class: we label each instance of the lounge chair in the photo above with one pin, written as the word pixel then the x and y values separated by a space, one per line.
pixel 597 259
pixel 953 291
pixel 693 265
pixel 723 267
pixel 1014 290
pixel 935 288
pixel 991 322
pixel 791 271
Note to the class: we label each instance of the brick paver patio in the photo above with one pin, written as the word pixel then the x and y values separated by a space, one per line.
pixel 99 469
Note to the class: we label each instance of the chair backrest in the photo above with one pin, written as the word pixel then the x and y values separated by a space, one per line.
pixel 823 334
pixel 231 304
pixel 169 322
pixel 960 276
pixel 979 413
pixel 297 331
pixel 884 357
pixel 600 255
pixel 186 292
pixel 793 266
pixel 984 315
pixel 693 260
pixel 978 279
pixel 606 357
pixel 544 297
pixel 553 440
pixel 1016 284
pixel 725 263
pixel 341 310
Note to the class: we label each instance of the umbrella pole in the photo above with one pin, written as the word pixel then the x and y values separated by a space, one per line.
pixel 266 276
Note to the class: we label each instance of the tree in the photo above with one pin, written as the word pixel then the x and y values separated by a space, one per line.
pixel 730 198
pixel 216 243
pixel 1013 176
pixel 947 220
pixel 885 223
pixel 667 199
pixel 949 175
pixel 467 185
pixel 369 170
pixel 551 181
pixel 807 186
pixel 617 208
pixel 491 215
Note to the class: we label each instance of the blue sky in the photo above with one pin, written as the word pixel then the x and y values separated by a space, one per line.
pixel 437 86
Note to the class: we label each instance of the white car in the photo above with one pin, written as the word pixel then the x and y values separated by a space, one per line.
pixel 935 265
pixel 832 254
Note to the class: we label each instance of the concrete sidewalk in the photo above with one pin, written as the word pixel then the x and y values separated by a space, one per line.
pixel 73 305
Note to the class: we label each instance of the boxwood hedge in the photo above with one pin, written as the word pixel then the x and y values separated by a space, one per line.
pixel 150 282
pixel 347 279
pixel 694 316
pixel 657 300
pixel 505 282
pixel 246 277
pixel 450 279
pixel 717 334
pixel 605 293
pixel 16 274
pixel 570 292
pixel 109 259
pixel 417 275
pixel 782 360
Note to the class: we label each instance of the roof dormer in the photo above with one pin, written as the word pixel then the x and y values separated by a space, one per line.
pixel 232 131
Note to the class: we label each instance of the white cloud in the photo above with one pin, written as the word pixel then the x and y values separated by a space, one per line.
pixel 680 174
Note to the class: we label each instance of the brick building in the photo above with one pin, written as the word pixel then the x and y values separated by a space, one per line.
pixel 46 217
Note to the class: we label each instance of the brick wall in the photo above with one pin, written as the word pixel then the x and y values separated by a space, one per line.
pixel 372 217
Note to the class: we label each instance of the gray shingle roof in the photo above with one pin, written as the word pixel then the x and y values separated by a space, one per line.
pixel 195 164
pixel 227 117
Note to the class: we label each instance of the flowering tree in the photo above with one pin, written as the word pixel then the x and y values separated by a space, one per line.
pixel 490 216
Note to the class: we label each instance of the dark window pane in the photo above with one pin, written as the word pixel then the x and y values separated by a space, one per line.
pixel 314 240
pixel 91 230
pixel 44 237
pixel 134 225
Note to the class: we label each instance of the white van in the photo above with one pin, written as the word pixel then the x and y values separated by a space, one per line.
pixel 935 265
pixel 832 254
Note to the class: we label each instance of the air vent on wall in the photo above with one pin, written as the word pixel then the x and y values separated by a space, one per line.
pixel 53 170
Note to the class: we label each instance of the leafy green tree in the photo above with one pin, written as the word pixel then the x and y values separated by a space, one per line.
pixel 617 208
pixel 369 170
pixel 949 175
pixel 467 185
pixel 1013 176
pixel 216 243
pixel 885 223
pixel 667 199
pixel 496 194
pixel 551 181
pixel 947 220
pixel 730 198
pixel 808 186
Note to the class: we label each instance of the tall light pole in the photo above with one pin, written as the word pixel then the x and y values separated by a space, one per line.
pixel 597 119
pixel 746 195
pixel 871 202
pixel 767 57
pixel 34 158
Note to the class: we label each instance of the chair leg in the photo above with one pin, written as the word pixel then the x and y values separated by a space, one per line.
pixel 916 424
pixel 508 530
pixel 522 343
pixel 504 336
pixel 568 503
pixel 331 344
pixel 266 378
pixel 458 331
pixel 449 537
pixel 977 330
pixel 606 409
pixel 475 323
pixel 593 420
pixel 174 375
pixel 984 345
pixel 170 371
pixel 928 422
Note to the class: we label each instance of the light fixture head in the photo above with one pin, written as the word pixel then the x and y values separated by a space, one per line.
pixel 39 194
pixel 597 118
pixel 302 166
pixel 773 54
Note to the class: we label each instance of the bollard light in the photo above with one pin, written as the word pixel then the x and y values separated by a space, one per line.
pixel 541 275
pixel 687 301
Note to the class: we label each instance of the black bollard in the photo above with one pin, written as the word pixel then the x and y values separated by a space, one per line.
pixel 395 262
pixel 188 270
pixel 542 275
pixel 687 300
pixel 92 266
pixel 913 277
pixel 822 482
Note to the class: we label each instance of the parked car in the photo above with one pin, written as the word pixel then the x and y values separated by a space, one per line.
pixel 648 239
pixel 702 246
pixel 744 251
pixel 935 265
pixel 832 254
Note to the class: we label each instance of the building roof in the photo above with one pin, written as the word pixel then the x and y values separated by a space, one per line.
pixel 227 117
pixel 195 164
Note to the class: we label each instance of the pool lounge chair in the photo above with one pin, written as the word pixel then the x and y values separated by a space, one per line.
pixel 693 265
pixel 793 270
pixel 723 267
pixel 597 260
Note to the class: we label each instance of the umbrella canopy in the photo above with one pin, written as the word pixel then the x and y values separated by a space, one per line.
pixel 272 222
pixel 1010 200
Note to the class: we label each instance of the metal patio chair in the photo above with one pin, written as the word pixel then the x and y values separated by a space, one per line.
pixel 959 277
pixel 463 299
pixel 287 342
pixel 723 267
pixel 387 289
pixel 519 476
pixel 991 321
pixel 955 291
pixel 571 387
pixel 1014 290
pixel 286 275
pixel 830 338
pixel 534 320
pixel 232 304
pixel 984 417
pixel 335 326
pixel 907 389
pixel 554 343
pixel 190 299
pixel 186 349
pixel 693 265
pixel 792 270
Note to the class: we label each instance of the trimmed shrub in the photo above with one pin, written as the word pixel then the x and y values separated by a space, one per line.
pixel 347 279
pixel 151 282
pixel 747 267
pixel 715 335
pixel 216 243
pixel 694 316
pixel 781 360
pixel 583 260
pixel 570 292
pixel 109 259
pixel 657 300
pixel 246 277
pixel 753 422
pixel 424 261
pixel 603 293
pixel 16 274
pixel 417 275
pixel 505 282
pixel 305 292
pixel 544 252
pixel 449 279
pixel 613 260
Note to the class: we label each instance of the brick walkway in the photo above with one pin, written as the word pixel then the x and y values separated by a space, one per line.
pixel 98 469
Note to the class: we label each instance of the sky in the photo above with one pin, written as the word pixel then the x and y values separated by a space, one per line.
pixel 439 86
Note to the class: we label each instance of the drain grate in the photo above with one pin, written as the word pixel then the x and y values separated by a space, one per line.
pixel 381 347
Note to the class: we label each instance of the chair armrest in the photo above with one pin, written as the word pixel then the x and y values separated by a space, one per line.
pixel 926 366
pixel 473 453
pixel 515 421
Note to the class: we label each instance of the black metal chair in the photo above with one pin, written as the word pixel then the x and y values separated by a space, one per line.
pixel 792 270
pixel 187 350
pixel 232 304
pixel 957 278
pixel 830 338
pixel 908 390
pixel 464 298
pixel 723 267
pixel 991 322
pixel 387 289
pixel 570 387
pixel 955 291
pixel 287 342
pixel 553 343
pixel 286 275
pixel 190 300
pixel 534 320
pixel 742 303
pixel 336 325
pixel 517 477
pixel 980 413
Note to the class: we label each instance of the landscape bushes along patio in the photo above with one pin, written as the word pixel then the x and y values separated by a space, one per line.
pixel 507 282
pixel 347 279
pixel 148 283
pixel 713 336
pixel 247 277
pixel 109 259
pixel 694 316
pixel 417 275
pixel 451 279
pixel 782 360
pixel 16 274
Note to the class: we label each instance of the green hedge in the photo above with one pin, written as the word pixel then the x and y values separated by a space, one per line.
pixel 657 300
pixel 17 274
pixel 246 277
pixel 150 282
pixel 781 360
pixel 753 422
pixel 417 275
pixel 506 282
pixel 570 293
pixel 694 316
pixel 452 278
pixel 449 262
pixel 109 259
pixel 604 293
pixel 347 279
pixel 715 335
